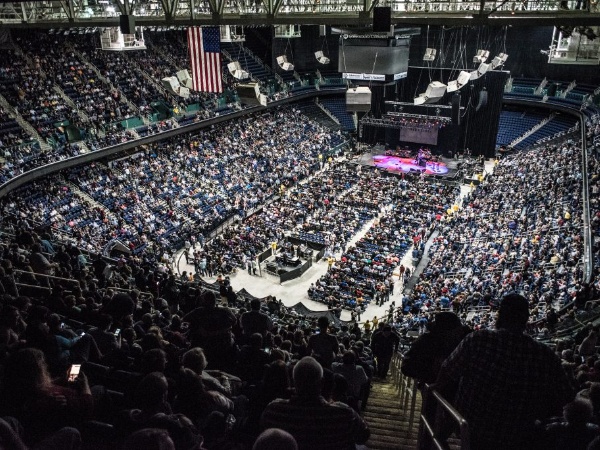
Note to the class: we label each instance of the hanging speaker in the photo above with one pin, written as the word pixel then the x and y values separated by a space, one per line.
pixel 184 78
pixel 171 84
pixel 249 94
pixel 358 99
pixel 382 19
pixel 456 108
pixel 127 23
pixel 483 99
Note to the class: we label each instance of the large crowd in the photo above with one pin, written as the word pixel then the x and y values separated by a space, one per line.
pixel 152 353
pixel 520 230
pixel 69 90
pixel 184 187
pixel 161 362
pixel 364 271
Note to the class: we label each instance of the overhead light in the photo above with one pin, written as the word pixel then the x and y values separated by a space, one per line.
pixel 499 60
pixel 321 57
pixel 184 78
pixel 172 85
pixel 435 91
pixel 110 9
pixel 463 78
pixel 284 64
pixel 430 54
pixel 481 56
pixel 235 69
pixel 481 70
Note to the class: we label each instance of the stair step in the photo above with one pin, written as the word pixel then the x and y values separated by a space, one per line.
pixel 387 419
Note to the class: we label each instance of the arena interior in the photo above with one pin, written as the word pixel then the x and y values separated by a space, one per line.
pixel 297 224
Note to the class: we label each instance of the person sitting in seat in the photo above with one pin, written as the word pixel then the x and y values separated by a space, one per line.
pixel 310 419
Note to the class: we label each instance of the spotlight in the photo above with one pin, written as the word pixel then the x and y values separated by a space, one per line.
pixel 235 69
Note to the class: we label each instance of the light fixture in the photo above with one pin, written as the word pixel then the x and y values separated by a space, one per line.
pixel 481 56
pixel 435 91
pixel 321 57
pixel 430 54
pixel 184 78
pixel 284 64
pixel 171 84
pixel 235 69
pixel 481 70
pixel 463 78
pixel 499 60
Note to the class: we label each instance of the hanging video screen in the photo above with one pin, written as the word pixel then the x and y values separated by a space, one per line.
pixel 419 135
pixel 382 59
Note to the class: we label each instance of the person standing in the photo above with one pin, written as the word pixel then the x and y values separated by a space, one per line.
pixel 324 346
pixel 358 311
pixel 255 321
pixel 384 344
pixel 330 261
pixel 187 245
pixel 506 381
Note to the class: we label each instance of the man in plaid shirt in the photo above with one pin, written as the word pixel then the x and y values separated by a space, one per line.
pixel 506 380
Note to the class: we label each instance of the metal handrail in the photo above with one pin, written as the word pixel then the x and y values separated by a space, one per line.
pixel 52 277
pixel 407 388
pixel 429 432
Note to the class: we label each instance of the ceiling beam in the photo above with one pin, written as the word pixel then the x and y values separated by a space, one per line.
pixel 499 18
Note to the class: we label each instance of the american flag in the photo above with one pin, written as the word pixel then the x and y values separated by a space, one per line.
pixel 204 45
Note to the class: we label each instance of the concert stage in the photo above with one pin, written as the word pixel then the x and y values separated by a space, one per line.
pixel 406 165
pixel 401 164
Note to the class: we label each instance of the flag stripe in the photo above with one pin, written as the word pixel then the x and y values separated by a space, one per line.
pixel 204 47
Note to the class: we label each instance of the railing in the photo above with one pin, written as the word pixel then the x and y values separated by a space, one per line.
pixel 588 240
pixel 535 128
pixel 58 165
pixel 407 389
pixel 49 277
pixel 432 431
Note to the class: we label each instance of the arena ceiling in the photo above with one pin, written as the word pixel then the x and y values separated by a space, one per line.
pixel 103 13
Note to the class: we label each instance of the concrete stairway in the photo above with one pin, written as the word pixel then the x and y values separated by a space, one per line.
pixel 24 124
pixel 388 412
pixel 82 57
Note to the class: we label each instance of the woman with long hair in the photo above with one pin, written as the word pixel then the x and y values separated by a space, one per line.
pixel 41 405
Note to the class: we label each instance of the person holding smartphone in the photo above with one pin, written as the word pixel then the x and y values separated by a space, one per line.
pixel 72 347
pixel 43 405
pixel 107 339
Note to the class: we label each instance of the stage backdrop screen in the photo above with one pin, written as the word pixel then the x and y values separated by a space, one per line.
pixel 427 136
